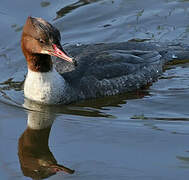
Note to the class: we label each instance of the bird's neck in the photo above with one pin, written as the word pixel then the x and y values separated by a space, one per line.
pixel 39 62
pixel 44 87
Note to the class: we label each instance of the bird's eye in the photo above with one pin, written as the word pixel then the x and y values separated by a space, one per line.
pixel 41 41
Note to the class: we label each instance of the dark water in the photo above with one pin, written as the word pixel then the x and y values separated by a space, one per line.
pixel 143 135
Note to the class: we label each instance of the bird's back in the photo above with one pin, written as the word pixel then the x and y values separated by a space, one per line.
pixel 109 69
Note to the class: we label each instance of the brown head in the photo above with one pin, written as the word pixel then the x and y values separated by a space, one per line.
pixel 40 40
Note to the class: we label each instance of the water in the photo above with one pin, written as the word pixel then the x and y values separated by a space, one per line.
pixel 141 135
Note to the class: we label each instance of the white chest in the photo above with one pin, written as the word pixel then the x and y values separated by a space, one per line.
pixel 47 87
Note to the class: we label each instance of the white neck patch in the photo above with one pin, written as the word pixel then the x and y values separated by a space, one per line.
pixel 44 87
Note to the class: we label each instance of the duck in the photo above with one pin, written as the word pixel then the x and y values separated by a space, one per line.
pixel 91 71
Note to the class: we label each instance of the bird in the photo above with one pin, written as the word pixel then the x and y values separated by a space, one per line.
pixel 91 71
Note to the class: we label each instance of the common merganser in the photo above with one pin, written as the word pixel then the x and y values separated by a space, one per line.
pixel 101 70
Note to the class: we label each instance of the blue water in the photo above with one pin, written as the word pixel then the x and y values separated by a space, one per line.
pixel 129 136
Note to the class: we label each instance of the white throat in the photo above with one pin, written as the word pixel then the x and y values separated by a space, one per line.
pixel 44 87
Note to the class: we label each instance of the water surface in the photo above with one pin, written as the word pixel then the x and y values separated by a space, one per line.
pixel 141 135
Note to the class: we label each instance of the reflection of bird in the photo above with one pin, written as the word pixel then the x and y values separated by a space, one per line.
pixel 36 159
pixel 102 70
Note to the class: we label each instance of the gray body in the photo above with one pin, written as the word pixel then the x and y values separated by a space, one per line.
pixel 109 69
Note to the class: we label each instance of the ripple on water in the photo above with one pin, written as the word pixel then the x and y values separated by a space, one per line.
pixel 140 135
